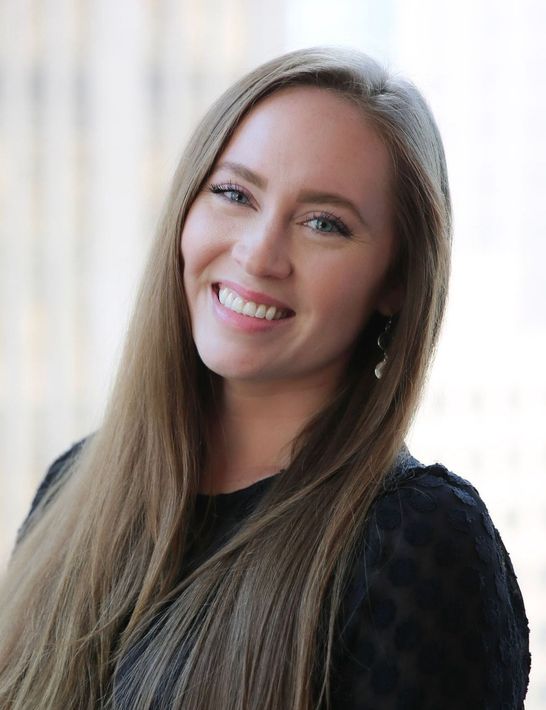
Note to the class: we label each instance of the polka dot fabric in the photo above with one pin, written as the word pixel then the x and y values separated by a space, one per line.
pixel 433 616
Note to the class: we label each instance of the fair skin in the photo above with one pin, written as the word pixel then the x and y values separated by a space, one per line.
pixel 297 208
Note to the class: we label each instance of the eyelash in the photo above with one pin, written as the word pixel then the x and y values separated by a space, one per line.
pixel 228 187
pixel 336 221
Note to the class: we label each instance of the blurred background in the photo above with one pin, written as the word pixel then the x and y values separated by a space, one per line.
pixel 97 100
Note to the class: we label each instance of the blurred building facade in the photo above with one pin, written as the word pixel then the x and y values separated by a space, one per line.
pixel 97 100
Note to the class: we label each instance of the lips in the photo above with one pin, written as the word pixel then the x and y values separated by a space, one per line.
pixel 256 296
pixel 244 323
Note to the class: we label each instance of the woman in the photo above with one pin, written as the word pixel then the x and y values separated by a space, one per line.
pixel 247 528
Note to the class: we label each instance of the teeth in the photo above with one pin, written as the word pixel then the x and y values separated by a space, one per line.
pixel 249 309
pixel 234 302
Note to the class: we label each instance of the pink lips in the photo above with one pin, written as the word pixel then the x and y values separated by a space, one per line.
pixel 243 323
pixel 255 296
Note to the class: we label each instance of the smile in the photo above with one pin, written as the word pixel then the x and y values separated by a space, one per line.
pixel 232 300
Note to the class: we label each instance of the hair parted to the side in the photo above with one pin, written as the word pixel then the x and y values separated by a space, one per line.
pixel 103 558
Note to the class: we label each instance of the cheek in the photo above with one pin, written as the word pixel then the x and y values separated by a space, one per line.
pixel 190 235
pixel 349 290
pixel 197 245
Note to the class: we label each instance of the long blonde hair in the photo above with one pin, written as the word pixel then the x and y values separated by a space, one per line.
pixel 99 565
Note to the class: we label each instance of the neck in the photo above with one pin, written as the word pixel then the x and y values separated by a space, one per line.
pixel 255 426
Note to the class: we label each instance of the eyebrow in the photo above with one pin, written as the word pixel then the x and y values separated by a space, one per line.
pixel 243 172
pixel 306 196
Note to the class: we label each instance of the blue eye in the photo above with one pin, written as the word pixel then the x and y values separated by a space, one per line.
pixel 328 223
pixel 233 193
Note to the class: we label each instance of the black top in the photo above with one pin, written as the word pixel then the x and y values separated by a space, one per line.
pixel 433 616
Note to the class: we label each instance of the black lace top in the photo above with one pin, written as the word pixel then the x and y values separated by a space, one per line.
pixel 433 617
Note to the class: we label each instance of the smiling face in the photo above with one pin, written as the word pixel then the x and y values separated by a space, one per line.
pixel 296 214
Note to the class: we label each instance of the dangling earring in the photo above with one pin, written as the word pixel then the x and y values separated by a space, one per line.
pixel 382 342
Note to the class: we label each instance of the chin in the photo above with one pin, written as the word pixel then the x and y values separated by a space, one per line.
pixel 231 368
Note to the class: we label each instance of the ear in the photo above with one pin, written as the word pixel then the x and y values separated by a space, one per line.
pixel 391 300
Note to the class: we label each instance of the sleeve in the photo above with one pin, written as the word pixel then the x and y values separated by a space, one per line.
pixel 51 475
pixel 434 614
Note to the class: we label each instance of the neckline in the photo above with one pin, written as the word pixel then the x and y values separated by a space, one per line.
pixel 404 463
pixel 239 492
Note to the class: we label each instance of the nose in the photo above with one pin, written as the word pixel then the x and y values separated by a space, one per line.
pixel 262 249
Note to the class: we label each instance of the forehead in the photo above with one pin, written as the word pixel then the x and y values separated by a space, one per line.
pixel 313 113
pixel 309 137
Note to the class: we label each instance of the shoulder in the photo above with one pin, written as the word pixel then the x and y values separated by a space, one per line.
pixel 434 607
pixel 436 500
pixel 430 512
pixel 53 473
pixel 55 470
